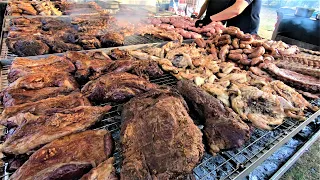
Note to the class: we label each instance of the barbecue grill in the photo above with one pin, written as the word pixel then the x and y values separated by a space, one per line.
pixel 233 164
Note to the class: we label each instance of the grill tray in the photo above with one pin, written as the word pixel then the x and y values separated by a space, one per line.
pixel 236 163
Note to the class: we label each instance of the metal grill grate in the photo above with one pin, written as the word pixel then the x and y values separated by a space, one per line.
pixel 235 163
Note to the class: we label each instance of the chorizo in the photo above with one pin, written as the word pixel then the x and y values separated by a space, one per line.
pixel 200 42
pixel 235 57
pixel 235 43
pixel 257 60
pixel 249 41
pixel 224 37
pixel 257 43
pixel 242 46
pixel 224 42
pixel 259 51
pixel 248 51
pixel 236 51
pixel 223 52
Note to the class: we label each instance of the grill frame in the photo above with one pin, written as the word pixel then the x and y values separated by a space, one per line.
pixel 227 159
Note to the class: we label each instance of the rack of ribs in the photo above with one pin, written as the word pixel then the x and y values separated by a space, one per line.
pixel 69 157
pixel 223 128
pixel 116 87
pixel 42 129
pixel 159 139
pixel 294 79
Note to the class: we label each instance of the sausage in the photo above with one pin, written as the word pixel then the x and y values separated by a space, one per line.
pixel 249 41
pixel 214 53
pixel 224 42
pixel 230 31
pixel 244 37
pixel 235 43
pixel 256 60
pixel 235 57
pixel 224 37
pixel 248 51
pixel 248 46
pixel 268 57
pixel 244 60
pixel 223 52
pixel 200 42
pixel 259 51
pixel 237 51
pixel 257 43
pixel 242 46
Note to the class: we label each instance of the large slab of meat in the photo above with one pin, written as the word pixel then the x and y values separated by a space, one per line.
pixel 24 66
pixel 116 87
pixel 223 128
pixel 159 139
pixel 40 130
pixel 44 106
pixel 69 157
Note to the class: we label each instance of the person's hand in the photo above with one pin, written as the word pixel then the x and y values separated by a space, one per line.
pixel 212 19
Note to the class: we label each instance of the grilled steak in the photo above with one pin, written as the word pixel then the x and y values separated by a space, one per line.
pixel 105 171
pixel 46 105
pixel 116 87
pixel 112 39
pixel 44 79
pixel 300 81
pixel 14 97
pixel 40 130
pixel 23 66
pixel 28 47
pixel 69 157
pixel 223 127
pixel 159 139
pixel 118 54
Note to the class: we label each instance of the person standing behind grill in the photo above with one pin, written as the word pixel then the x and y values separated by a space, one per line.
pixel 240 13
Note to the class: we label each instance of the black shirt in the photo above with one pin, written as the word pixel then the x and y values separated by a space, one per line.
pixel 248 21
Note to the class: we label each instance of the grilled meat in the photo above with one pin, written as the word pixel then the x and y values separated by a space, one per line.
pixel 104 171
pixel 86 65
pixel 24 66
pixel 28 47
pixel 14 97
pixel 261 108
pixel 46 105
pixel 223 128
pixel 116 87
pixel 40 130
pixel 300 81
pixel 89 42
pixel 69 157
pixel 44 79
pixel 159 139
pixel 300 68
pixel 117 54
pixel 112 39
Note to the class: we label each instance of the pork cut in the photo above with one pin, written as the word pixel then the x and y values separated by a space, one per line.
pixel 40 130
pixel 158 137
pixel 223 128
pixel 116 87
pixel 46 105
pixel 69 157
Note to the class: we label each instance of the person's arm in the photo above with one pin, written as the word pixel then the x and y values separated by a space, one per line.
pixel 203 9
pixel 237 8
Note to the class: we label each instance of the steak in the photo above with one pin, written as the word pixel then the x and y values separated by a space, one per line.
pixel 14 97
pixel 116 87
pixel 159 139
pixel 29 47
pixel 112 39
pixel 105 171
pixel 40 130
pixel 46 105
pixel 223 128
pixel 69 157
pixel 23 66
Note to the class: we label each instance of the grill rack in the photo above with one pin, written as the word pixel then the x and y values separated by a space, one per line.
pixel 233 164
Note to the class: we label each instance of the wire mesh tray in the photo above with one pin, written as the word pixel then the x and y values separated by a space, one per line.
pixel 233 164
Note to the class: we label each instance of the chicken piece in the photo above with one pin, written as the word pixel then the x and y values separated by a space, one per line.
pixel 219 91
pixel 261 108
pixel 104 171
pixel 235 78
pixel 69 156
pixel 159 139
pixel 116 87
pixel 43 129
pixel 223 128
